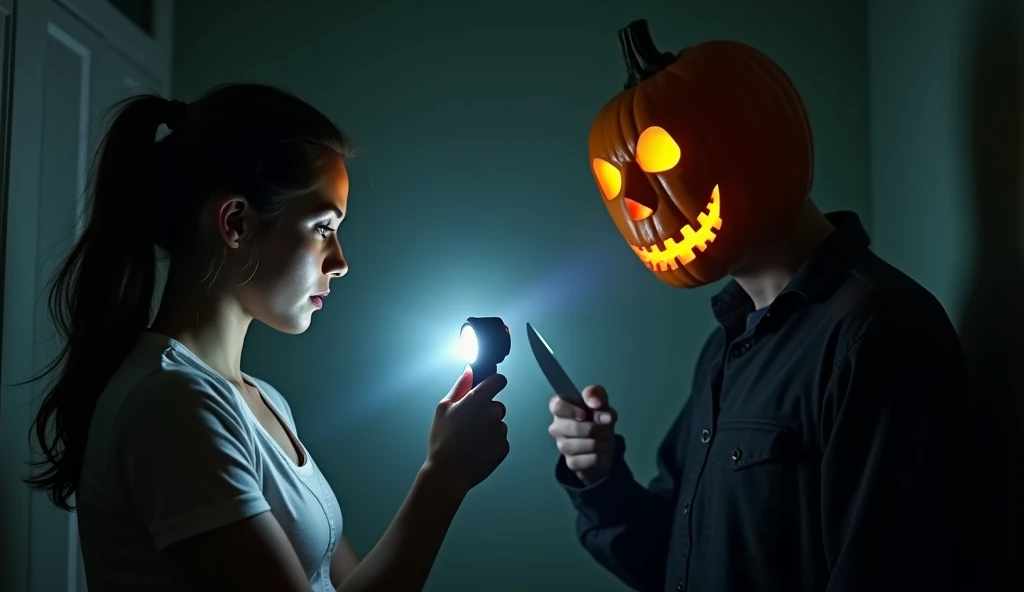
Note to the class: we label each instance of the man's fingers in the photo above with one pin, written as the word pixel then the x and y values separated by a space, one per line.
pixel 595 396
pixel 578 446
pixel 606 416
pixel 581 462
pixel 562 427
pixel 559 407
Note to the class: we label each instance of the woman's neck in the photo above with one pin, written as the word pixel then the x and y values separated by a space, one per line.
pixel 211 325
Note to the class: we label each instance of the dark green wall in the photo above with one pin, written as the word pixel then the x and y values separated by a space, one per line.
pixel 946 135
pixel 472 196
pixel 946 159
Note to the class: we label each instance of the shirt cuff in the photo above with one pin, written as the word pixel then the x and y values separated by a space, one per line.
pixel 607 501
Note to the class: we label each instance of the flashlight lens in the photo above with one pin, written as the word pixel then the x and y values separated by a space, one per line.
pixel 468 345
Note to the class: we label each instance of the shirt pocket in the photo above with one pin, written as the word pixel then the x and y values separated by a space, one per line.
pixel 750 470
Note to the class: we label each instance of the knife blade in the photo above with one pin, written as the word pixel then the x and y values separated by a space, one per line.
pixel 553 371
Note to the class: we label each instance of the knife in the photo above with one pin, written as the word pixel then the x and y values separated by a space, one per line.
pixel 552 370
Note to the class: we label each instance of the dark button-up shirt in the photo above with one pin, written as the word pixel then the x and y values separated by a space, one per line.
pixel 814 453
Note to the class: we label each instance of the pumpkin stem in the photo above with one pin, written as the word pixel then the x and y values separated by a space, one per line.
pixel 643 59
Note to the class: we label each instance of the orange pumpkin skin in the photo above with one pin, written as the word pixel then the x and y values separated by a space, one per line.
pixel 742 137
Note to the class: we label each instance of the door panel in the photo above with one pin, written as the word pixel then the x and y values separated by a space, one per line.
pixel 71 103
pixel 140 30
pixel 66 74
pixel 22 182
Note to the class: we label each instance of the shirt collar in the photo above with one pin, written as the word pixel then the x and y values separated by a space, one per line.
pixel 815 280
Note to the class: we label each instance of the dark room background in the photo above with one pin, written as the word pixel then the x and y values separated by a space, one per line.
pixel 472 196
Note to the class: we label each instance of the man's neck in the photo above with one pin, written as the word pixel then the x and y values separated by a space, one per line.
pixel 764 276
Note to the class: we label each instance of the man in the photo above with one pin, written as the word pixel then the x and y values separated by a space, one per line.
pixel 814 451
pixel 817 449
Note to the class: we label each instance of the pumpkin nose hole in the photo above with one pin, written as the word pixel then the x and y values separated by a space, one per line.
pixel 637 211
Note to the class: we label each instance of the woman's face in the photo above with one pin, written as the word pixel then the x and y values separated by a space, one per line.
pixel 293 264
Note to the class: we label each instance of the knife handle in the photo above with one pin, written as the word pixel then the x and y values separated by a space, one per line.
pixel 589 413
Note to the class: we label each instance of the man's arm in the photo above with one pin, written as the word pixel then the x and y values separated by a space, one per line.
pixel 888 470
pixel 623 525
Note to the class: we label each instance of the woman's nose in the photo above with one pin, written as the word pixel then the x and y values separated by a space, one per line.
pixel 335 264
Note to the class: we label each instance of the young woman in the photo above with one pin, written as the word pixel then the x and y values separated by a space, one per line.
pixel 185 471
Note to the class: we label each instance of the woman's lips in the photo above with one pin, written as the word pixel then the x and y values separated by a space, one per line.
pixel 318 299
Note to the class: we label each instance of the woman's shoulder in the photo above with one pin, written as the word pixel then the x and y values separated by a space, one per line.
pixel 160 367
pixel 154 384
pixel 181 382
pixel 172 392
pixel 159 403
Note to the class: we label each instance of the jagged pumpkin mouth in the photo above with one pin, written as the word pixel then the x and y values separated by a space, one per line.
pixel 679 249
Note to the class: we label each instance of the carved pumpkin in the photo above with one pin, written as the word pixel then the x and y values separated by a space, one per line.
pixel 701 156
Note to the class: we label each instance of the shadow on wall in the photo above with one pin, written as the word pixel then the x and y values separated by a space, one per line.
pixel 993 321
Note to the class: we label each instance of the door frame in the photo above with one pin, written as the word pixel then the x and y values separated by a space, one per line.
pixel 34 539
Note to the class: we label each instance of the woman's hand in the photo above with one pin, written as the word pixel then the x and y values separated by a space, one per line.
pixel 467 442
pixel 468 439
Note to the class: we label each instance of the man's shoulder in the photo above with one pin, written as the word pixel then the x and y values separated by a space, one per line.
pixel 876 292
pixel 884 309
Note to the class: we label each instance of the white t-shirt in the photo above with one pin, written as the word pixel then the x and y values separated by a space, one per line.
pixel 175 451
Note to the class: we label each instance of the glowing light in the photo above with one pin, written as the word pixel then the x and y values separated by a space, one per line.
pixel 656 151
pixel 468 347
pixel 681 253
pixel 608 178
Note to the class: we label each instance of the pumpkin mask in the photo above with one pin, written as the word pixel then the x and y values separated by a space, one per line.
pixel 701 156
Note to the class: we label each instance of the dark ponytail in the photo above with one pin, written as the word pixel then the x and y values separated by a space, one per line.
pixel 145 191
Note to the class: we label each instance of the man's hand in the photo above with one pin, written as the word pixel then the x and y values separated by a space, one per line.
pixel 588 446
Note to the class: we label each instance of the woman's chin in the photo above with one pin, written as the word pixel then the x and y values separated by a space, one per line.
pixel 292 325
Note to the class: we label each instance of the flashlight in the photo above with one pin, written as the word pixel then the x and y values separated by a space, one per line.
pixel 484 342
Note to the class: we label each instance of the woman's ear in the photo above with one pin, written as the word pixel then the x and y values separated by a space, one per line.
pixel 235 222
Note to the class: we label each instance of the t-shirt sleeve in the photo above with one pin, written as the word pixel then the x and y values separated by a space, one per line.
pixel 187 457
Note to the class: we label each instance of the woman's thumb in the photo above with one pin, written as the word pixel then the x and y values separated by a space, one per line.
pixel 461 386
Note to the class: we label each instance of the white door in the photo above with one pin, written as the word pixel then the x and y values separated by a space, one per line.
pixel 71 105
pixel 66 75
pixel 138 29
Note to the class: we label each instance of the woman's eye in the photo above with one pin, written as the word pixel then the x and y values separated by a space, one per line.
pixel 323 229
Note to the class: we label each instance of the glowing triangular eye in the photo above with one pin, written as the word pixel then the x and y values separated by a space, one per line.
pixel 656 151
pixel 608 178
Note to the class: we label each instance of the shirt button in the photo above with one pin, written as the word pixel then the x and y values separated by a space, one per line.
pixel 705 436
pixel 686 507
pixel 679 586
pixel 735 454
pixel 741 349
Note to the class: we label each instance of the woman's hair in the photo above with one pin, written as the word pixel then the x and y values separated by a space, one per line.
pixel 146 190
